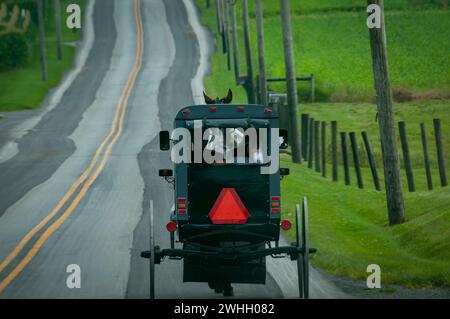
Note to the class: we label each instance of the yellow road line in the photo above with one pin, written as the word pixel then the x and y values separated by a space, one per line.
pixel 123 103
pixel 73 188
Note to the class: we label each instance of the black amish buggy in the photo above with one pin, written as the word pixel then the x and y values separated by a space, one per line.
pixel 226 217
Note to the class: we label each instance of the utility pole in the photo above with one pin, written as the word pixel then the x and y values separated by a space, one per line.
pixel 227 33
pixel 391 161
pixel 58 29
pixel 261 51
pixel 248 53
pixel 41 27
pixel 291 80
pixel 235 43
pixel 219 16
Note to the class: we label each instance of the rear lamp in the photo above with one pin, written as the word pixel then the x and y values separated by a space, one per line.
pixel 171 226
pixel 285 225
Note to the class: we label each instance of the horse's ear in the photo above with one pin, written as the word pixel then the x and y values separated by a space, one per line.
pixel 229 97
pixel 207 99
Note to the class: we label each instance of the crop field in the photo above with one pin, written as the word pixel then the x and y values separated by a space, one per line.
pixel 332 42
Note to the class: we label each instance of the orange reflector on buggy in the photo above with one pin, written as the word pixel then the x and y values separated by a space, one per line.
pixel 228 209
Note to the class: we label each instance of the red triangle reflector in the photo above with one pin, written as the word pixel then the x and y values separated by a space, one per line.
pixel 228 209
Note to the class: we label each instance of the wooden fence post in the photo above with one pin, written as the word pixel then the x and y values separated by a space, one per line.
pixel 248 52
pixel 227 33
pixel 372 163
pixel 235 43
pixel 334 150
pixel 223 26
pixel 345 158
pixel 59 45
pixel 440 152
pixel 311 143
pixel 324 148
pixel 426 159
pixel 406 157
pixel 42 45
pixel 219 17
pixel 317 145
pixel 313 88
pixel 356 162
pixel 304 130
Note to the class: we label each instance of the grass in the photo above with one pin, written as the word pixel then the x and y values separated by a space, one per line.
pixel 348 226
pixel 332 43
pixel 23 88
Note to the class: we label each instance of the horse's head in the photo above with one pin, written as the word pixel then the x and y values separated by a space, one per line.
pixel 225 100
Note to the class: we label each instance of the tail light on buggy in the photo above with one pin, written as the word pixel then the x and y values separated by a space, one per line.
pixel 275 204
pixel 182 206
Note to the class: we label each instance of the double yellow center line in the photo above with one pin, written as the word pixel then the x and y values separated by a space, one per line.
pixel 89 175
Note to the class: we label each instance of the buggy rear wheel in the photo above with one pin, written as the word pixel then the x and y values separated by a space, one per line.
pixel 152 253
pixel 305 245
pixel 301 223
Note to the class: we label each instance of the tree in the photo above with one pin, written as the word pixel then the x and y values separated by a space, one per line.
pixel 391 161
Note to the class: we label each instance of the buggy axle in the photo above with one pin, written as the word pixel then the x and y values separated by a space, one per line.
pixel 226 254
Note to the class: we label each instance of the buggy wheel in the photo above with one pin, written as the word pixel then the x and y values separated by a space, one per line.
pixel 152 253
pixel 305 245
pixel 301 223
pixel 298 237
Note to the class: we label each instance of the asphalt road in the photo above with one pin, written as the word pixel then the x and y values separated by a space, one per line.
pixel 101 223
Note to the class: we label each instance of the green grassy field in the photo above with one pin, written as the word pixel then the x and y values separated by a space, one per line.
pixel 331 42
pixel 349 225
pixel 23 88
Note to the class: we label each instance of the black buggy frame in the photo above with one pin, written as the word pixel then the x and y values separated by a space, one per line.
pixel 262 239
pixel 299 251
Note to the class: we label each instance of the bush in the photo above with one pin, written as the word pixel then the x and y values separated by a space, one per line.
pixel 13 51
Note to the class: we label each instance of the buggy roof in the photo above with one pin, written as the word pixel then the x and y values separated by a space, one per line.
pixel 226 111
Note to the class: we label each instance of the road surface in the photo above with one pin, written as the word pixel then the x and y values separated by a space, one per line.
pixel 77 175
